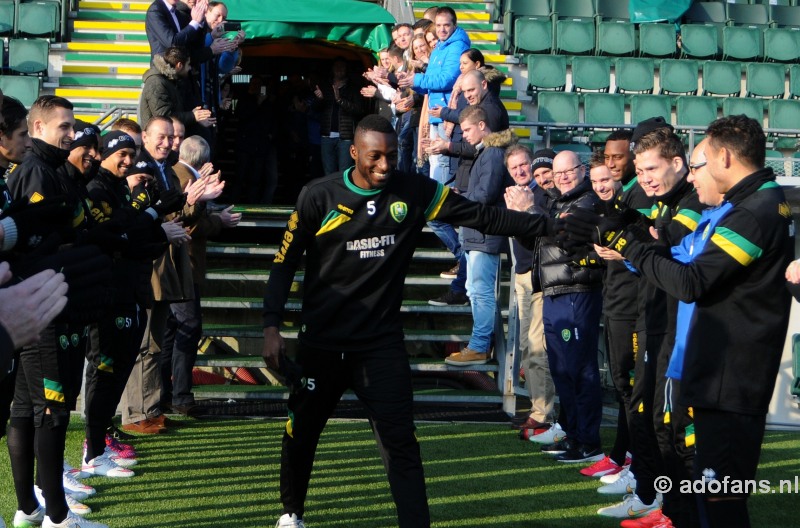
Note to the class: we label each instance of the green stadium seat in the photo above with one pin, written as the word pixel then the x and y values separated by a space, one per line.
pixel 700 41
pixel 701 32
pixel 722 78
pixel 580 148
pixel 575 26
pixel 647 106
pixel 750 107
pixel 6 17
pixel 782 40
pixel 533 35
pixel 784 114
pixel 678 76
pixel 616 35
pixel 742 39
pixel 603 109
pixel 40 18
pixel 591 74
pixel 695 111
pixel 657 40
pixel 558 107
pixel 634 75
pixel 794 81
pixel 547 72
pixel 524 8
pixel 22 87
pixel 28 55
pixel 766 80
pixel 776 162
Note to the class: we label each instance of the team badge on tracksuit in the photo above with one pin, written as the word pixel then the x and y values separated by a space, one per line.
pixel 398 210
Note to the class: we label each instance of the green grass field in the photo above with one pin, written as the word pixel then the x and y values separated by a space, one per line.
pixel 224 473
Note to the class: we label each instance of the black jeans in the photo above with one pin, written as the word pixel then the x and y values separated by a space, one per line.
pixel 381 379
pixel 182 335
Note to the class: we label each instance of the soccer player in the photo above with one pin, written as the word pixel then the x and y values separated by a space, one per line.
pixel 358 229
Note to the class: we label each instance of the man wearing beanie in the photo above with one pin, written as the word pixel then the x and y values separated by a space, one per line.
pixel 115 339
pixel 534 173
pixel 83 151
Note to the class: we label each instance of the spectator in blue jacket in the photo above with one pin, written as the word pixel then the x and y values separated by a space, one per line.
pixel 438 80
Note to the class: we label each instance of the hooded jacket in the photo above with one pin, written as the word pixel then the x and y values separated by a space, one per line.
pixel 162 94
pixel 557 271
pixel 488 179
pixel 443 70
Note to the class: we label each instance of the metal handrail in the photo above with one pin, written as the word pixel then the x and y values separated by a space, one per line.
pixel 118 112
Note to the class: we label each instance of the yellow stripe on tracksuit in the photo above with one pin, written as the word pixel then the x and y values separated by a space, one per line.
pixel 53 391
pixel 332 221
pixel 436 204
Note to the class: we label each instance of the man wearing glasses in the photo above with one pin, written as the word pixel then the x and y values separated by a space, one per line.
pixel 571 312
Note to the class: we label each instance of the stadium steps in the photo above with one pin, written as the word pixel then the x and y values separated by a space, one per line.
pixel 278 392
pixel 103 63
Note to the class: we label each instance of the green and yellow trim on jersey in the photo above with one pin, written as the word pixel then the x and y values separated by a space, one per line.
pixel 738 247
pixel 436 203
pixel 106 364
pixel 53 391
pixel 355 188
pixel 688 218
pixel 333 220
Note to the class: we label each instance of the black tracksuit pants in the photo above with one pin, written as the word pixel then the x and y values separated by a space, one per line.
pixel 622 345
pixel 381 379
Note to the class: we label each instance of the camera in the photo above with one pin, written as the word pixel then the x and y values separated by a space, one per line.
pixel 231 26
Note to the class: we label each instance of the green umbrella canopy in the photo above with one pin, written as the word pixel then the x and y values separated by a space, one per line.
pixel 360 23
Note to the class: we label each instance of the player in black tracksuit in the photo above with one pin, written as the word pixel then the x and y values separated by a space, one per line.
pixel 116 337
pixel 358 230
pixel 620 294
pixel 736 337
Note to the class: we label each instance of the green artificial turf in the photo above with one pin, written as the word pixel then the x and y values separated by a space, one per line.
pixel 224 473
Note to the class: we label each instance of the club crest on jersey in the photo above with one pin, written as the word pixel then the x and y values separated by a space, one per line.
pixel 398 210
pixel 63 341
pixel 75 339
pixel 120 322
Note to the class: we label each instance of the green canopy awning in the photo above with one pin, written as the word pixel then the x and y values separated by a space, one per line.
pixel 361 23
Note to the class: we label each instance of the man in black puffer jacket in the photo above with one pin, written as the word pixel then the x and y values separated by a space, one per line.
pixel 572 286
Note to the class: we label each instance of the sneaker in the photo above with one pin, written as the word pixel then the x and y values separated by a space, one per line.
pixel 289 520
pixel 105 466
pixel 552 435
pixel 467 356
pixel 72 521
pixel 631 506
pixel 606 466
pixel 120 460
pixel 75 489
pixel 450 298
pixel 452 273
pixel 24 520
pixel 580 453
pixel 123 450
pixel 78 508
pixel 557 447
pixel 655 519
pixel 75 472
pixel 612 478
pixel 624 485
pixel 527 433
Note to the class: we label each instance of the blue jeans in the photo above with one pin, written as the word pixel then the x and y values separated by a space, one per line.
pixel 481 280
pixel 336 154
pixel 440 163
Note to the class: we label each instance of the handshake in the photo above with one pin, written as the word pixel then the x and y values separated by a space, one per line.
pixel 611 228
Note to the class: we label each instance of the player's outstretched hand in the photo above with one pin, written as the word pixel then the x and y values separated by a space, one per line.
pixel 28 307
